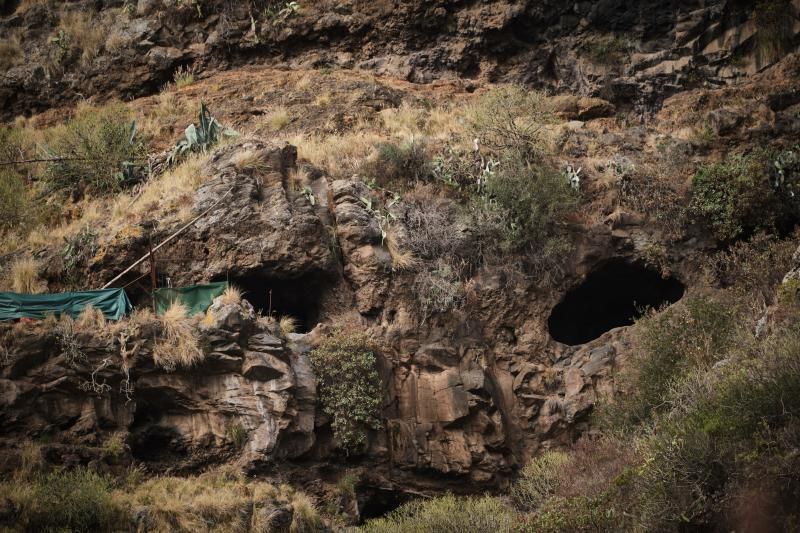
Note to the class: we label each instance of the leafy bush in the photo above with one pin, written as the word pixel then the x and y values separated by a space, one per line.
pixel 76 253
pixel 609 49
pixel 727 425
pixel 447 514
pixel 538 480
pixel 695 333
pixel 349 386
pixel 534 201
pixel 753 269
pixel 399 163
pixel 96 152
pixel 739 196
pixel 14 201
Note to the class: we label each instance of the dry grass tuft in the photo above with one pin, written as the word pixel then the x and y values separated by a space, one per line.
pixel 25 276
pixel 171 195
pixel 306 518
pixel 31 461
pixel 250 160
pixel 232 296
pixel 183 77
pixel 91 319
pixel 401 260
pixel 339 154
pixel 277 119
pixel 178 345
pixel 303 83
pixel 288 324
pixel 222 497
pixel 298 179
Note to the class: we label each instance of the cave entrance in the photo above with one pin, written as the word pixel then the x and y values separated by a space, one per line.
pixel 613 295
pixel 299 298
pixel 377 502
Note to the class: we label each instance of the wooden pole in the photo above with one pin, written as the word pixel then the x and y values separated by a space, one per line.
pixel 152 272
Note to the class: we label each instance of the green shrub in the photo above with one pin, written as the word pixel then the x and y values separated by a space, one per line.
pixel 96 152
pixel 75 500
pixel 534 201
pixel 538 480
pixel 14 201
pixel 447 514
pixel 738 197
pixel 609 49
pixel 753 269
pixel 237 435
pixel 727 425
pixel 405 162
pixel 76 253
pixel 349 386
pixel 668 344
pixel 114 445
pixel 578 513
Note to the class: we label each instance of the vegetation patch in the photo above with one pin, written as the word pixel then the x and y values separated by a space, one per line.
pixel 740 196
pixel 349 386
pixel 96 152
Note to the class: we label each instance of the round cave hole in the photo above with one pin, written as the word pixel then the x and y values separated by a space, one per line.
pixel 613 295
pixel 298 298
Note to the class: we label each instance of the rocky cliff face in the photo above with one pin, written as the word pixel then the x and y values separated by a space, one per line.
pixel 469 394
pixel 637 53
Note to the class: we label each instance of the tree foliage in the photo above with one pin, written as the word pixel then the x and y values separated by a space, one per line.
pixel 349 386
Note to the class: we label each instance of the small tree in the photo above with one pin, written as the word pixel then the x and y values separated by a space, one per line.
pixel 512 118
pixel 349 386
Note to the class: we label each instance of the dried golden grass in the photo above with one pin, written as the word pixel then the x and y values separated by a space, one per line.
pixel 298 179
pixel 177 346
pixel 250 160
pixel 171 195
pixel 91 319
pixel 231 296
pixel 401 259
pixel 277 119
pixel 223 498
pixel 306 518
pixel 287 324
pixel 339 154
pixel 25 276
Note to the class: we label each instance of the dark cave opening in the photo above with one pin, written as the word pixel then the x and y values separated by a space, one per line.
pixel 299 298
pixel 376 502
pixel 613 295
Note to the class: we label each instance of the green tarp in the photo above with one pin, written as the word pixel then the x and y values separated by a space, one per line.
pixel 196 298
pixel 113 303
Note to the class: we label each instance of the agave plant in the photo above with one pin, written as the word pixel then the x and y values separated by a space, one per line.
pixel 200 138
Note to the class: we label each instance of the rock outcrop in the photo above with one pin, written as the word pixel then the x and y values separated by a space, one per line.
pixel 623 51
